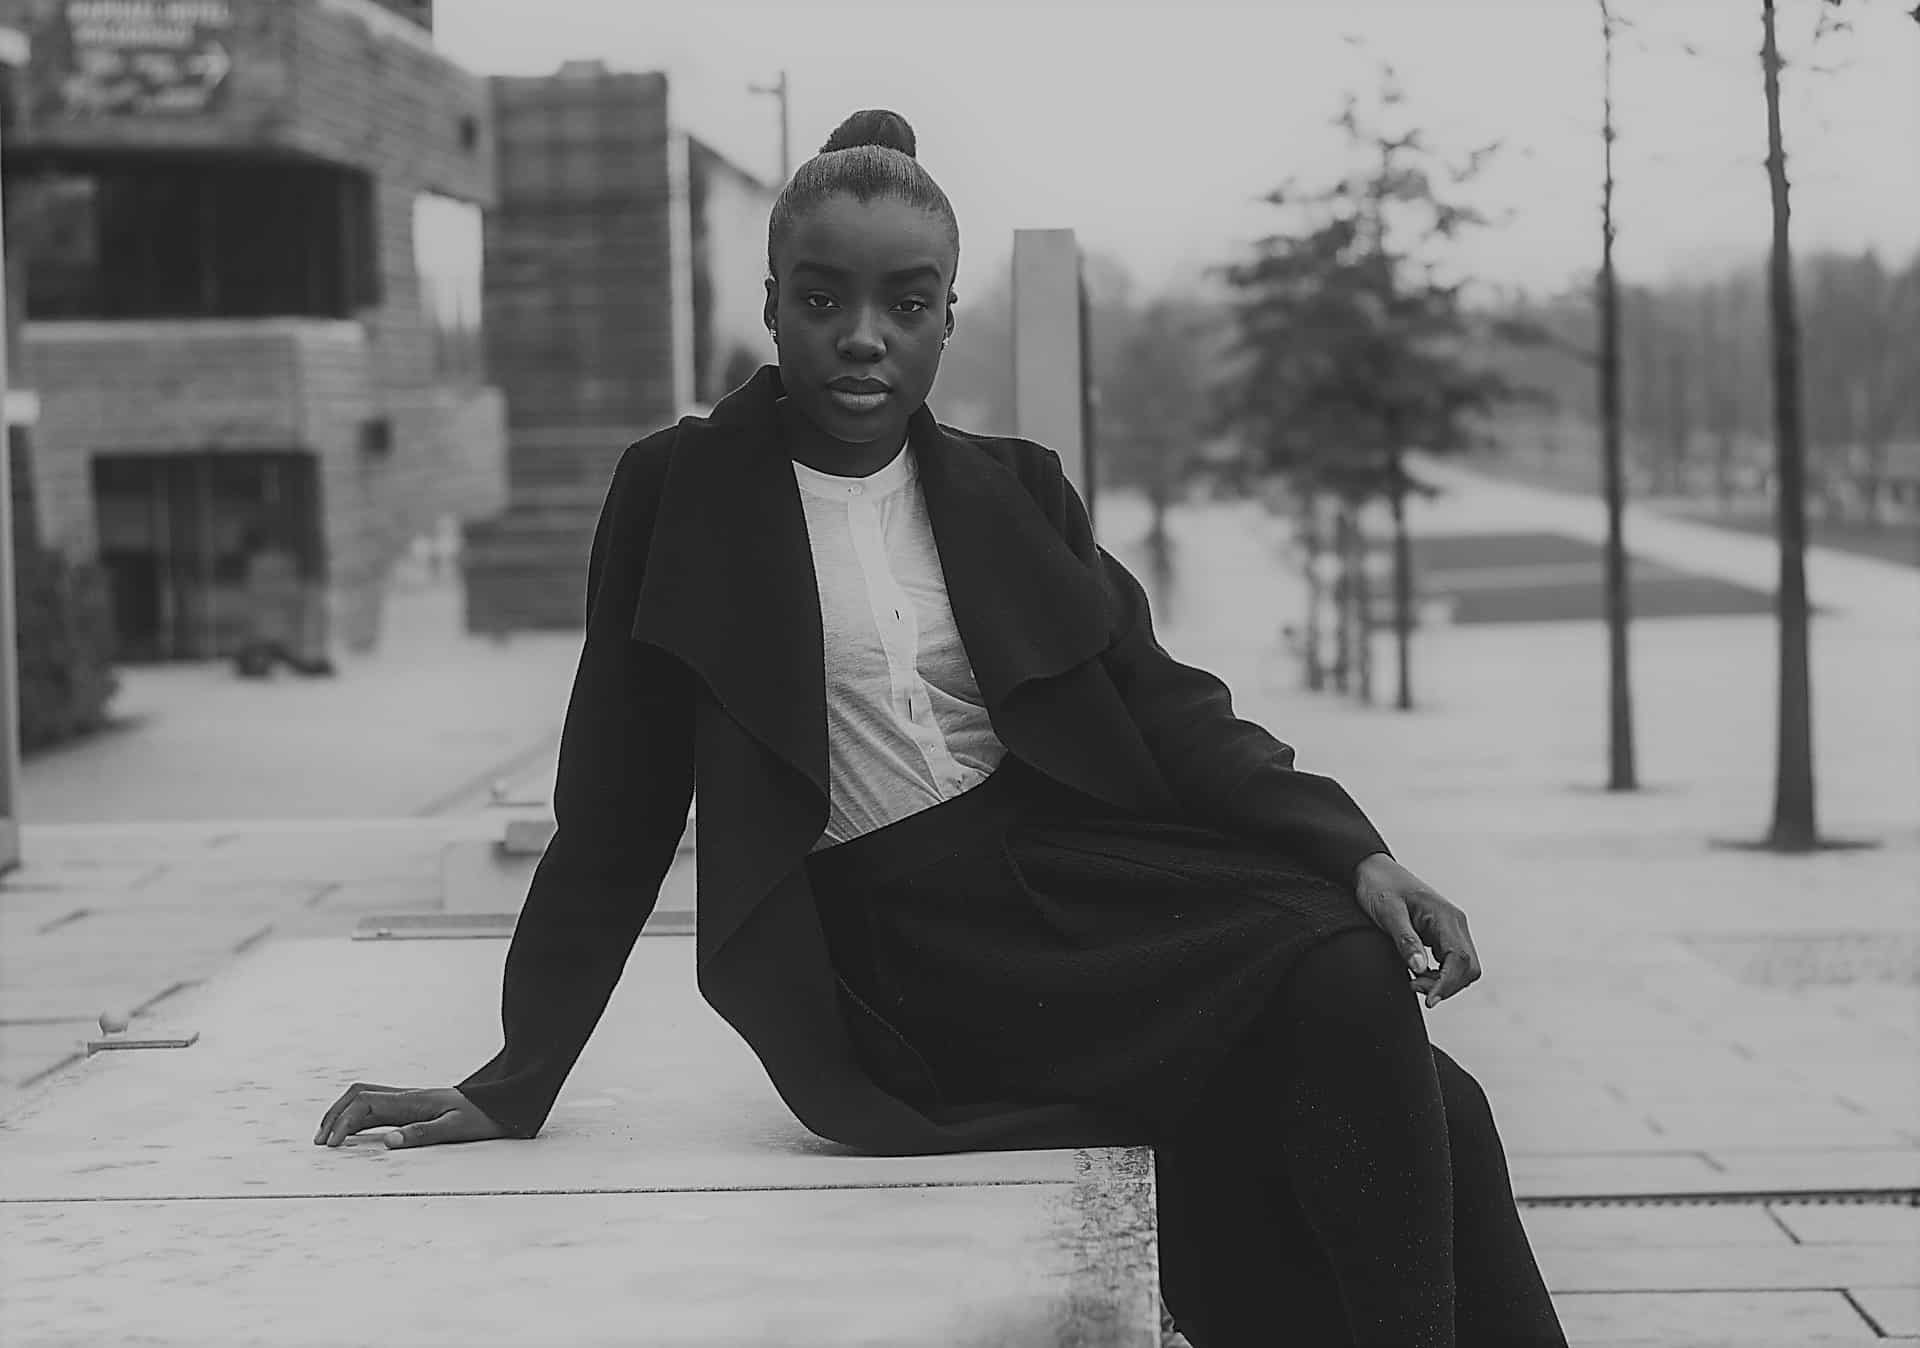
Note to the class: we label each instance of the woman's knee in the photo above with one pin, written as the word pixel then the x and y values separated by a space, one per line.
pixel 1469 1112
pixel 1356 979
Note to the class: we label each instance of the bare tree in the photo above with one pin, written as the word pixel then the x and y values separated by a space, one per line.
pixel 1621 771
pixel 1794 828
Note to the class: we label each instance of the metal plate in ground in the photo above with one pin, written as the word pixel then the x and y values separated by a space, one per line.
pixel 465 926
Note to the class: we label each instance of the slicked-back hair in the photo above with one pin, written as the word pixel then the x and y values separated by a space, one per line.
pixel 869 156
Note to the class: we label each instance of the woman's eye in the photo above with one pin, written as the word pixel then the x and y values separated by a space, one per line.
pixel 919 305
pixel 825 300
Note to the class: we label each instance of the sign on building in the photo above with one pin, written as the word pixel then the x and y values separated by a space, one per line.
pixel 137 58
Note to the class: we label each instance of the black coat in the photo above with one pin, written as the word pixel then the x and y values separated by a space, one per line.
pixel 703 661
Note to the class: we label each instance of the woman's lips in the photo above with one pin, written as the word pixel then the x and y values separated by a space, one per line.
pixel 850 401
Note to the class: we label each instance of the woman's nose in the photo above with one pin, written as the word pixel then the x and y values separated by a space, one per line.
pixel 862 340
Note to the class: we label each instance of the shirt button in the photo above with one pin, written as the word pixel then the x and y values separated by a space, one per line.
pixel 855 491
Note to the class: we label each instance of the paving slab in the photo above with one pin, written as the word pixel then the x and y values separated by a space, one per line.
pixel 1895 1310
pixel 1843 1222
pixel 1722 1319
pixel 1640 1227
pixel 1732 1267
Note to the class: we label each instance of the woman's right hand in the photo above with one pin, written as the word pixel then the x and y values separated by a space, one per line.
pixel 424 1118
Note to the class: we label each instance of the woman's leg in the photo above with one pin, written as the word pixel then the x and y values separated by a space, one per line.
pixel 1238 1262
pixel 1333 1096
pixel 1501 1297
pixel 1241 1261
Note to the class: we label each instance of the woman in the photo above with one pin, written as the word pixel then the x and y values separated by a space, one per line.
pixel 1028 881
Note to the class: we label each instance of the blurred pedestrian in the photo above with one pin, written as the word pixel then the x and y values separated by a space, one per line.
pixel 279 612
pixel 982 866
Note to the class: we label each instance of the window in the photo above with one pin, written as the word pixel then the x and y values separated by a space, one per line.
pixel 447 248
pixel 155 236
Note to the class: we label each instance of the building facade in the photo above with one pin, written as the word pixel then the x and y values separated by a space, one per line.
pixel 250 248
pixel 624 262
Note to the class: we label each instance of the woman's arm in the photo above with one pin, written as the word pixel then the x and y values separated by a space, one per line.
pixel 620 800
pixel 1226 772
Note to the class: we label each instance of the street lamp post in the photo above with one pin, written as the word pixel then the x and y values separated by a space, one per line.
pixel 778 89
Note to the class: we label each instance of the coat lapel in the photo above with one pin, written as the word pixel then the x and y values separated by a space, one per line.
pixel 730 587
pixel 1026 607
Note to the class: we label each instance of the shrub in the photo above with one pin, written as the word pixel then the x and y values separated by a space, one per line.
pixel 64 622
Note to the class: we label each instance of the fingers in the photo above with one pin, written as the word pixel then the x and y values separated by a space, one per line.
pixel 1457 970
pixel 445 1127
pixel 1390 915
pixel 1446 928
pixel 371 1107
pixel 339 1107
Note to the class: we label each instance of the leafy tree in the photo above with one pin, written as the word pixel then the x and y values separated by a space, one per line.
pixel 1154 393
pixel 1353 347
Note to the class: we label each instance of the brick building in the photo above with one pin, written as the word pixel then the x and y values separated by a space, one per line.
pixel 624 268
pixel 249 239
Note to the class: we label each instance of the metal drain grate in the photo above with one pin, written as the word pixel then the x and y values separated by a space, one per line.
pixel 1901 1198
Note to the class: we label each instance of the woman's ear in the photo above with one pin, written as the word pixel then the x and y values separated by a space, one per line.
pixel 952 299
pixel 773 303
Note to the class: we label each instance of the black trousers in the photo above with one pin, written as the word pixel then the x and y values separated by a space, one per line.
pixel 1326 1176
pixel 1342 1181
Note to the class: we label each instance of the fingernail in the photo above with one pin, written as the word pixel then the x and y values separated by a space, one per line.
pixel 1417 961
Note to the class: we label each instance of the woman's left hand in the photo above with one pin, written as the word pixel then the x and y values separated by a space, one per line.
pixel 1414 914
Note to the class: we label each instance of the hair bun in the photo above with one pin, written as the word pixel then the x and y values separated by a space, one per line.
pixel 872 126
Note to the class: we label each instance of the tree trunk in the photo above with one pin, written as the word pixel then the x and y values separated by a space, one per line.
pixel 1620 758
pixel 1402 589
pixel 1362 609
pixel 1157 493
pixel 1679 420
pixel 1316 592
pixel 1793 828
pixel 1343 599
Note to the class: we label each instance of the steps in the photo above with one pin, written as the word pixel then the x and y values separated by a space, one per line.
pixel 527 569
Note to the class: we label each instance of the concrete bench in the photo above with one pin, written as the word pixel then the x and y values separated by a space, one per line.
pixel 670 1199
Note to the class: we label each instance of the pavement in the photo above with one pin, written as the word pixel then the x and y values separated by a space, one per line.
pixel 421 726
pixel 1704 1058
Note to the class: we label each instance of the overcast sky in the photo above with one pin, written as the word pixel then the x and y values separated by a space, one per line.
pixel 1150 129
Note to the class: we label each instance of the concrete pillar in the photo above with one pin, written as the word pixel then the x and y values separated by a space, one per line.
pixel 1049 350
pixel 680 266
pixel 13 58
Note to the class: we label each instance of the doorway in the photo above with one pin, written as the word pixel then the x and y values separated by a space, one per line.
pixel 176 531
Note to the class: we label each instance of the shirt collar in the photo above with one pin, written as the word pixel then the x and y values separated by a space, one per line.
pixel 883 481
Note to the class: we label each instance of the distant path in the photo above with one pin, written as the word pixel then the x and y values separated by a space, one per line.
pixel 1891 543
pixel 1869 588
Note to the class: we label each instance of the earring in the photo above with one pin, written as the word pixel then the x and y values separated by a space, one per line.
pixel 774 333
pixel 943 343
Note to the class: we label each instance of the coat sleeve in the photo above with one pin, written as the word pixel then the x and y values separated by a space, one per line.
pixel 620 800
pixel 1226 772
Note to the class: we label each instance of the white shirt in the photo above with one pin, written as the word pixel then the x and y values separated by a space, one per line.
pixel 906 725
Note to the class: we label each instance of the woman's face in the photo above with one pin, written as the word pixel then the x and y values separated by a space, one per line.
pixel 861 304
